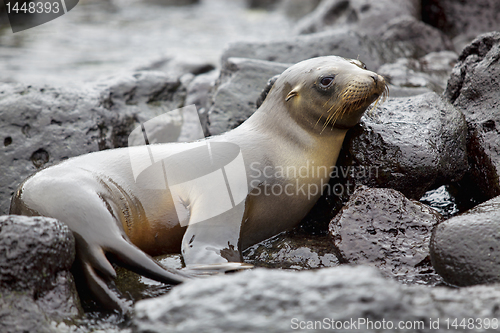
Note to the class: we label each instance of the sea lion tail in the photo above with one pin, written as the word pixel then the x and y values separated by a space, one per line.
pixel 132 258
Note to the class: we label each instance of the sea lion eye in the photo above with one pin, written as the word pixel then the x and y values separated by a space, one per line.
pixel 326 81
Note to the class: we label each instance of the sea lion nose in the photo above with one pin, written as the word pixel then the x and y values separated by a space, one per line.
pixel 375 78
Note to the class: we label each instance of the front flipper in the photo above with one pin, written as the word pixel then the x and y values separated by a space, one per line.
pixel 213 244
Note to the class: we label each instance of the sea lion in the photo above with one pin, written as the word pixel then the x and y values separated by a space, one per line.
pixel 208 199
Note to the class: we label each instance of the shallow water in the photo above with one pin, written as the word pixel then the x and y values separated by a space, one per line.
pixel 96 40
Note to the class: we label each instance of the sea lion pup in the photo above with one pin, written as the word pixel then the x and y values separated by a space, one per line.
pixel 209 199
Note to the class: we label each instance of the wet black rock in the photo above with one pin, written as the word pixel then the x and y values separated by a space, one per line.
pixel 410 144
pixel 473 88
pixel 381 227
pixel 292 250
pixel 465 250
pixel 235 94
pixel 442 200
pixel 342 42
pixel 44 125
pixel 264 300
pixel 36 254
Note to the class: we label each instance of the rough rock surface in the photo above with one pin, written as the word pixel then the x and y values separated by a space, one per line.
pixel 465 250
pixel 41 126
pixel 410 144
pixel 474 89
pixel 292 250
pixel 340 42
pixel 264 300
pixel 381 227
pixel 237 90
pixel 36 254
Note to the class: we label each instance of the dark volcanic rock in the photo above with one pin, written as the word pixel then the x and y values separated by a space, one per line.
pixel 41 126
pixel 465 250
pixel 409 144
pixel 264 300
pixel 237 90
pixel 342 42
pixel 474 88
pixel 381 227
pixel 291 250
pixel 36 254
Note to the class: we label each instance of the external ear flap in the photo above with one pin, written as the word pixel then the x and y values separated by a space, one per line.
pixel 291 94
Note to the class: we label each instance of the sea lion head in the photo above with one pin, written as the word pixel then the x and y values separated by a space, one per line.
pixel 329 92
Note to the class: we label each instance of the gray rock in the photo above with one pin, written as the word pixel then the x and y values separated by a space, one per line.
pixel 173 2
pixel 264 300
pixel 292 250
pixel 33 250
pixel 465 250
pixel 393 23
pixel 199 93
pixel 41 126
pixel 262 4
pixel 381 227
pixel 410 77
pixel 473 89
pixel 415 36
pixel 296 9
pixel 237 90
pixel 20 314
pixel 341 42
pixel 408 144
pixel 465 17
pixel 36 254
pixel 361 15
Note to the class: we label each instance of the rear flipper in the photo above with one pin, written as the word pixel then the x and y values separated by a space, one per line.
pixel 99 273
